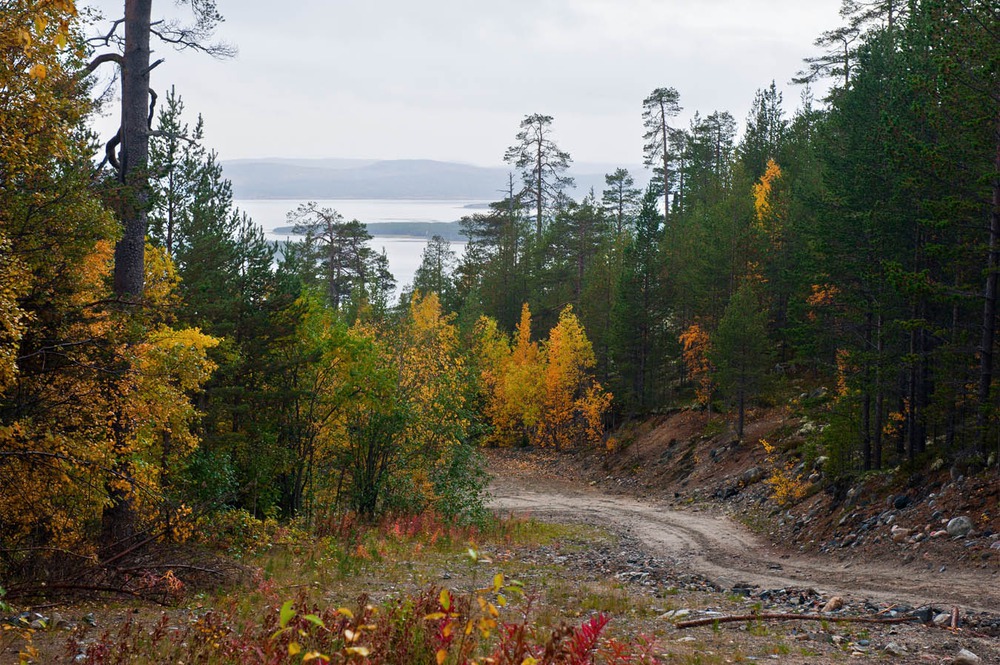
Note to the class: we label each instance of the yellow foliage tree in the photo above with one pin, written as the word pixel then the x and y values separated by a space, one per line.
pixel 524 376
pixel 62 455
pixel 573 403
pixel 80 385
pixel 432 374
pixel 492 352
pixel 510 377
pixel 540 395
pixel 13 281
pixel 696 345
pixel 769 203
pixel 40 102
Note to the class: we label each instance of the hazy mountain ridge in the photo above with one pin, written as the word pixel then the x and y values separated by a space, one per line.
pixel 274 178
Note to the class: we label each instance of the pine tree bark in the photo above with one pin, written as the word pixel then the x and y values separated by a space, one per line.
pixel 118 521
pixel 666 162
pixel 129 252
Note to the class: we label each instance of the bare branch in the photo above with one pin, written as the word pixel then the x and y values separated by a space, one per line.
pixel 190 38
pixel 100 60
pixel 106 39
pixel 160 133
pixel 154 65
pixel 152 106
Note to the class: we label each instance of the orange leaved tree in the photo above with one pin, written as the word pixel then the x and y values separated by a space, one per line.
pixel 574 404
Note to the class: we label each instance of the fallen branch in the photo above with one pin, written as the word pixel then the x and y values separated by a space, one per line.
pixel 778 616
pixel 37 591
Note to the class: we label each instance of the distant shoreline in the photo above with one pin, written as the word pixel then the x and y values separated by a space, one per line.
pixel 416 230
pixel 421 199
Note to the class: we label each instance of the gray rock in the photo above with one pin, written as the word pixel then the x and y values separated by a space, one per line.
pixel 901 501
pixel 966 657
pixel 942 619
pixel 675 615
pixel 894 649
pixel 959 527
pixel 752 475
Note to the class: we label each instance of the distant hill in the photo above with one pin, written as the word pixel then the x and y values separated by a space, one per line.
pixel 281 178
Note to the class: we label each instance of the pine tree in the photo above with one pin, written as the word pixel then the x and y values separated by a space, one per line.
pixel 620 200
pixel 434 274
pixel 543 167
pixel 634 343
pixel 741 351
pixel 765 132
pixel 657 109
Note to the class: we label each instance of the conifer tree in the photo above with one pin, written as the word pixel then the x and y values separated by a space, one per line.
pixel 637 311
pixel 741 351
pixel 543 167
pixel 657 109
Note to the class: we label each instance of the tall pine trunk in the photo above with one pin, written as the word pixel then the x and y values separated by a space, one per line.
pixel 118 522
pixel 129 252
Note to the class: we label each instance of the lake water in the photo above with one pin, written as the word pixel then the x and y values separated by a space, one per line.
pixel 403 253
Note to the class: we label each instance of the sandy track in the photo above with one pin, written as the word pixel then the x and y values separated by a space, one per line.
pixel 728 553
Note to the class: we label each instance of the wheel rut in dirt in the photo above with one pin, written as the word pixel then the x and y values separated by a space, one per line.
pixel 730 555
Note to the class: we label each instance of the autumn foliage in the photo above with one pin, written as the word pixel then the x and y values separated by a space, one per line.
pixel 541 394
pixel 696 345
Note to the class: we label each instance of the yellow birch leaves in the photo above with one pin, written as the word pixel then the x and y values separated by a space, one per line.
pixel 542 394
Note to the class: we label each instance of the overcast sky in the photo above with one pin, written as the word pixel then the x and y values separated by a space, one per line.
pixel 451 79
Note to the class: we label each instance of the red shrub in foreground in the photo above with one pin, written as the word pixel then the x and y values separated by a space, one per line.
pixel 435 626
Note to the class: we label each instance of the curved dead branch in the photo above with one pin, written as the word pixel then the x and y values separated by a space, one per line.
pixel 152 106
pixel 101 59
pixel 109 151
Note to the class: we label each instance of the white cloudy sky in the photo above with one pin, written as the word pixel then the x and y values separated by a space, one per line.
pixel 451 79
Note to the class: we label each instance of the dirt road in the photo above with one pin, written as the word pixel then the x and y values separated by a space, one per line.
pixel 729 554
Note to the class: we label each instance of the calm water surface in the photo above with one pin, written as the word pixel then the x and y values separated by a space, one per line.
pixel 403 253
